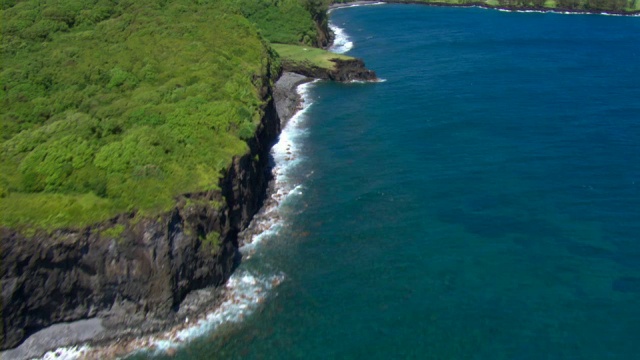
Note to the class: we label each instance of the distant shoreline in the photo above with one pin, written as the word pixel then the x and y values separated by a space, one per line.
pixel 354 3
pixel 557 10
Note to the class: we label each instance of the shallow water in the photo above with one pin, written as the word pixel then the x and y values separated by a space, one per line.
pixel 483 202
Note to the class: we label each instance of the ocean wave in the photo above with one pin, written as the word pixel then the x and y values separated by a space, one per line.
pixel 244 292
pixel 367 81
pixel 560 12
pixel 345 6
pixel 341 42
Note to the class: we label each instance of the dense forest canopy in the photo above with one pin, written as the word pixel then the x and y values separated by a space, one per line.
pixel 117 105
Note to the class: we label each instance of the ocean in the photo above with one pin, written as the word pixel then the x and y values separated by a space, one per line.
pixel 482 202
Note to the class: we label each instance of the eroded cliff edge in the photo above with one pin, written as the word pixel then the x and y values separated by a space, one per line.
pixel 344 70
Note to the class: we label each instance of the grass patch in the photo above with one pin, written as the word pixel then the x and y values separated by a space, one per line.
pixel 114 232
pixel 212 241
pixel 305 54
pixel 50 211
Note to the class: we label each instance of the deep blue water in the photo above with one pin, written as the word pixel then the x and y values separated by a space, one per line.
pixel 482 203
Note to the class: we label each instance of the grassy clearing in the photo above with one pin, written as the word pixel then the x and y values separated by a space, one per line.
pixel 305 54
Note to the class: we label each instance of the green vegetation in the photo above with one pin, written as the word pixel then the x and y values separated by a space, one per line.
pixel 578 5
pixel 283 21
pixel 199 203
pixel 212 241
pixel 308 55
pixel 114 231
pixel 109 106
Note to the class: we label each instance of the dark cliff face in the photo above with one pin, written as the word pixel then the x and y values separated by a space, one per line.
pixel 345 70
pixel 321 21
pixel 134 272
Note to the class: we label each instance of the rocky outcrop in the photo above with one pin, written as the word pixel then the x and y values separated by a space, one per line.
pixel 134 271
pixel 344 70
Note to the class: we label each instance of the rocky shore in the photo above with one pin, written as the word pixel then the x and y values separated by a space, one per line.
pixel 286 97
pixel 83 286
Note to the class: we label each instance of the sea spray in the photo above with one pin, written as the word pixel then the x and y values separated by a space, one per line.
pixel 341 42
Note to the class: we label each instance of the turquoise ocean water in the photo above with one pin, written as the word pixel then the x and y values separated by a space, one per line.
pixel 481 203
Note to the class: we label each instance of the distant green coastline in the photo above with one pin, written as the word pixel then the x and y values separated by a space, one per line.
pixel 587 6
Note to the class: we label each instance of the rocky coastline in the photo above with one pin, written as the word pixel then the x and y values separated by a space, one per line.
pixel 131 276
pixel 93 286
pixel 97 286
pixel 344 70
pixel 136 280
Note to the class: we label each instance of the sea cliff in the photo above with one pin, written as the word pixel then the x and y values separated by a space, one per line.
pixel 134 272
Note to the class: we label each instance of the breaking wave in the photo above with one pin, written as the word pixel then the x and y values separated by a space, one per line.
pixel 341 42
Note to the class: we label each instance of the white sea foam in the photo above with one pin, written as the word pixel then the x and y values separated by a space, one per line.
pixel 286 154
pixel 67 353
pixel 367 81
pixel 341 43
pixel 561 12
pixel 356 5
pixel 244 292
